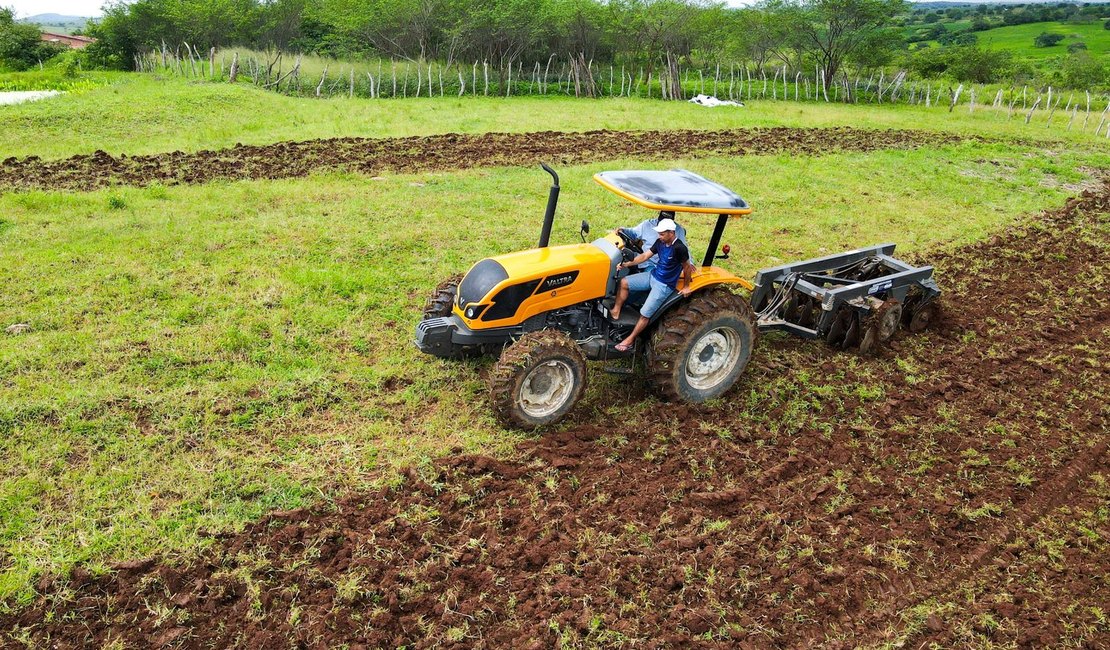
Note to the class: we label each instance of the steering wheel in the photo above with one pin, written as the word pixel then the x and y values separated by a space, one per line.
pixel 632 247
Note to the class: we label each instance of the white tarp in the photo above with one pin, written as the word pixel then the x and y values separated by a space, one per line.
pixel 18 97
pixel 709 100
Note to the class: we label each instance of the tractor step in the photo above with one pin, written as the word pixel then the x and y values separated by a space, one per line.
pixel 618 370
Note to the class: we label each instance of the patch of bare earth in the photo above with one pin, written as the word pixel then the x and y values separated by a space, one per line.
pixel 952 490
pixel 439 152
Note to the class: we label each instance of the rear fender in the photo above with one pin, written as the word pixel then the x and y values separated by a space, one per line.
pixel 704 278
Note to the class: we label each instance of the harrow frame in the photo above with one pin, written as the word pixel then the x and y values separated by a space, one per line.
pixel 863 279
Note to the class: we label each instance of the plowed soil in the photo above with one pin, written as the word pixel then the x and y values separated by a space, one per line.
pixel 954 490
pixel 438 152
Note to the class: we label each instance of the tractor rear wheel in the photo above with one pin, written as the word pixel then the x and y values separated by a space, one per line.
pixel 440 303
pixel 700 348
pixel 537 380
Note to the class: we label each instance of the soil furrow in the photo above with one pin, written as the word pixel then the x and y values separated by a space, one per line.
pixel 441 152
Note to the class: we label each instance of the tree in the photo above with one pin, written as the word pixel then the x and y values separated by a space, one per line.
pixel 762 34
pixel 832 31
pixel 975 65
pixel 980 24
pixel 21 46
pixel 1045 39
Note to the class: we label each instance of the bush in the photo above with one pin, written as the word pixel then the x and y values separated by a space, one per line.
pixel 1106 25
pixel 1077 47
pixel 1081 71
pixel 958 38
pixel 979 66
pixel 1044 39
pixel 929 62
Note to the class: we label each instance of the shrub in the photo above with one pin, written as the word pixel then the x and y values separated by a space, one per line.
pixel 958 38
pixel 1044 39
pixel 1081 70
pixel 979 66
pixel 1077 47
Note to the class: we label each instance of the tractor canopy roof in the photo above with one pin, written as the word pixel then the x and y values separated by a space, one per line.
pixel 676 189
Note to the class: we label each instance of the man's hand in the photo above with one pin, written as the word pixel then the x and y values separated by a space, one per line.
pixel 685 291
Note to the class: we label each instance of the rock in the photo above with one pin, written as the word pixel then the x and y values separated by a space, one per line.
pixel 18 328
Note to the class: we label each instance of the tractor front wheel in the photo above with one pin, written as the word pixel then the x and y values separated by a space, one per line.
pixel 537 380
pixel 439 304
pixel 699 349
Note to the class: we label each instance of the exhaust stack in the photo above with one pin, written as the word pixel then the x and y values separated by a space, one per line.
pixel 552 201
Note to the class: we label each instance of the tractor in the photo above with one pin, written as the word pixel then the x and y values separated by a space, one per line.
pixel 545 310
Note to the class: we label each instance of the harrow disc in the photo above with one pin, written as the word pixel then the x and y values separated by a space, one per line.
pixel 880 326
pixel 839 326
pixel 854 332
pixel 924 316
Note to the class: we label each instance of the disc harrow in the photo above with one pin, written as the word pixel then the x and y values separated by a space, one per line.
pixel 852 300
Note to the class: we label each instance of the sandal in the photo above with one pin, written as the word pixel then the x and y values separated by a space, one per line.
pixel 621 347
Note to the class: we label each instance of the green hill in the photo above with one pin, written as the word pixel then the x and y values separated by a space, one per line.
pixel 1019 39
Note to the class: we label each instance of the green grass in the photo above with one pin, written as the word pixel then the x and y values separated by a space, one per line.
pixel 143 114
pixel 200 355
pixel 55 78
pixel 1019 39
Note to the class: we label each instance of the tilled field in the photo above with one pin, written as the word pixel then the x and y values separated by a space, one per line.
pixel 438 152
pixel 953 490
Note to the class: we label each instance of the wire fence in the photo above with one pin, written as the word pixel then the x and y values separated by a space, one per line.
pixel 577 76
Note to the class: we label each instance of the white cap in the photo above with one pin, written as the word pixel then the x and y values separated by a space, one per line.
pixel 665 225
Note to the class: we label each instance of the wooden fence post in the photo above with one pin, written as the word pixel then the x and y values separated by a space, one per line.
pixel 1029 115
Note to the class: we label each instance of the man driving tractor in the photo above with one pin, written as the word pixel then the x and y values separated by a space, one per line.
pixel 673 263
pixel 645 232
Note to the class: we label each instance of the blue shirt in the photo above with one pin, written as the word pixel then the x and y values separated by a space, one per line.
pixel 671 260
pixel 645 230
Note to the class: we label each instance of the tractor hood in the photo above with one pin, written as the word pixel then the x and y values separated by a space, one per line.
pixel 508 289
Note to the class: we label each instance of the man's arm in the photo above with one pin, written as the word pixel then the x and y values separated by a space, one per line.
pixel 688 276
pixel 642 257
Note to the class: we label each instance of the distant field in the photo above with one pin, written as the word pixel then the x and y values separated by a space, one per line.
pixel 1019 39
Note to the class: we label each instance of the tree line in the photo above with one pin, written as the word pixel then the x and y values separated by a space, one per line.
pixel 828 33
pixel 824 37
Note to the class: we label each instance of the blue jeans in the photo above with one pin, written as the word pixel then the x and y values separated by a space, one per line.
pixel 659 292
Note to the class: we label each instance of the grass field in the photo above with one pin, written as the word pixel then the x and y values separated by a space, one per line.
pixel 141 114
pixel 1019 39
pixel 198 356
